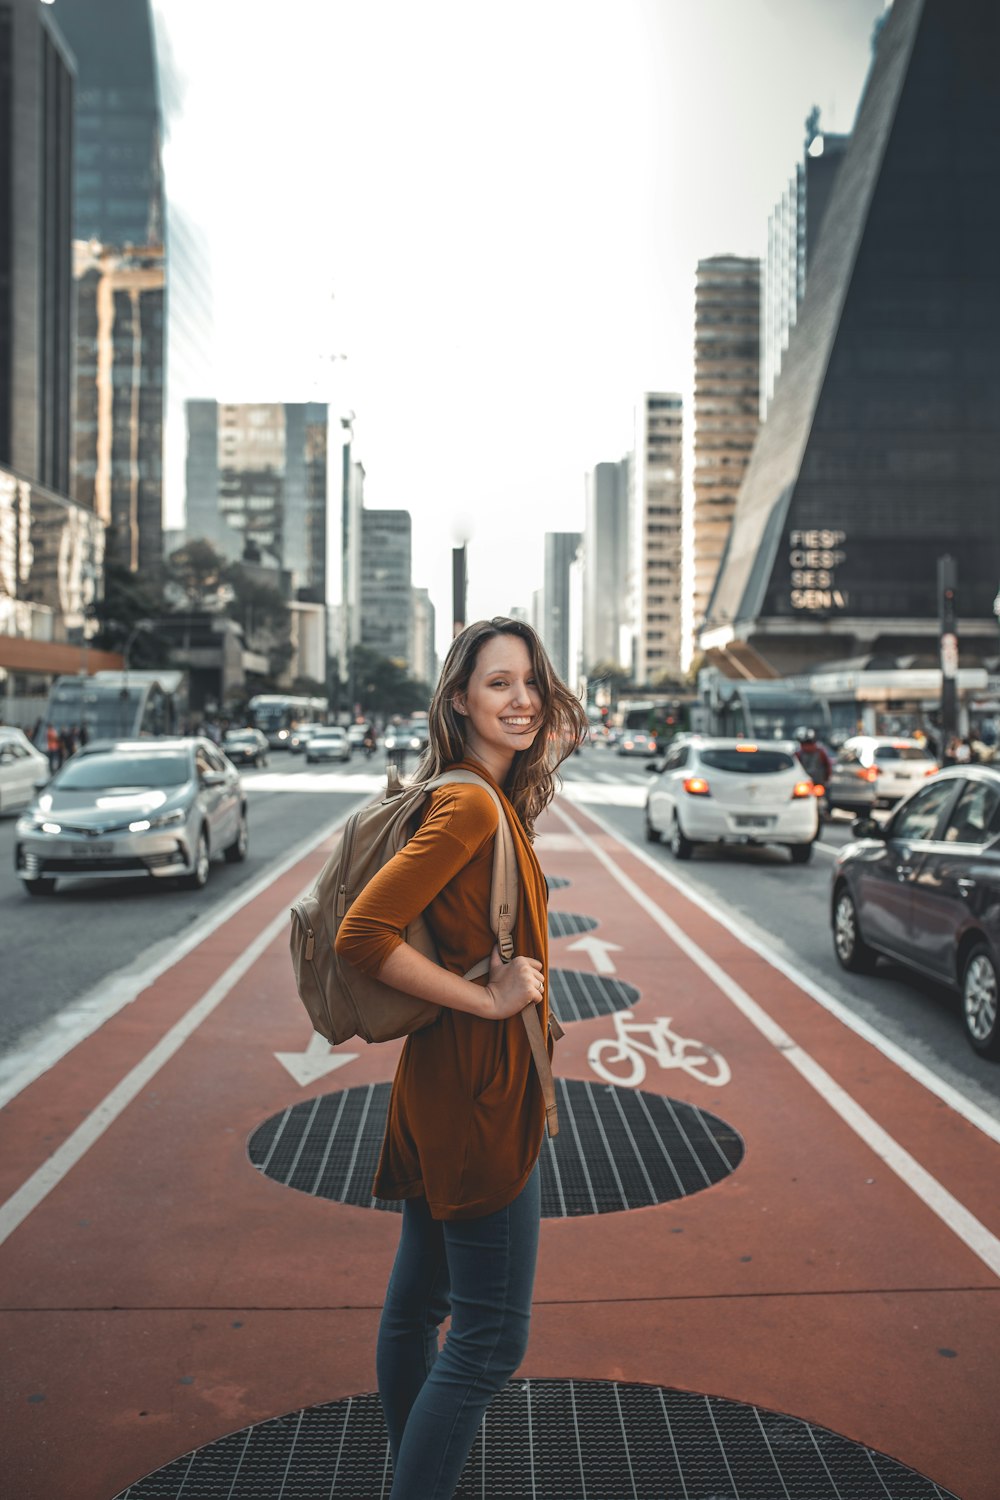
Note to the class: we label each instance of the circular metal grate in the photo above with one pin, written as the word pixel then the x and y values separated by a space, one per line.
pixel 556 882
pixel 616 1149
pixel 562 923
pixel 552 1439
pixel 581 997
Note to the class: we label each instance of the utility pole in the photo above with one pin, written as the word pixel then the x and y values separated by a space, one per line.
pixel 947 574
pixel 459 586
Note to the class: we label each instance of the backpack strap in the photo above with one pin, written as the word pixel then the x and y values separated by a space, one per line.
pixel 503 910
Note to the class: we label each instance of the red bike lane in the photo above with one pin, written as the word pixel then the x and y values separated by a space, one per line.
pixel 839 1262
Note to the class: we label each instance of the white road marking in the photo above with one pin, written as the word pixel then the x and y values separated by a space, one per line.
pixel 933 1194
pixel 316 1061
pixel 910 1065
pixel 82 1017
pixel 51 1173
pixel 597 950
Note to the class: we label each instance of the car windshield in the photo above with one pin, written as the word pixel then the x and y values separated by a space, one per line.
pixel 747 762
pixel 100 772
pixel 900 752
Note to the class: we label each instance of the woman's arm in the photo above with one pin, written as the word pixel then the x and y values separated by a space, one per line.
pixel 509 988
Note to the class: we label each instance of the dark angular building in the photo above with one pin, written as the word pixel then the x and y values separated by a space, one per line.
pixel 36 270
pixel 881 450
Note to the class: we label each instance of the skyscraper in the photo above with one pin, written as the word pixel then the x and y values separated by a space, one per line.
pixel 881 450
pixel 561 548
pixel 792 236
pixel 655 537
pixel 118 177
pixel 386 592
pixel 605 543
pixel 118 427
pixel 726 402
pixel 256 485
pixel 36 268
pixel 424 664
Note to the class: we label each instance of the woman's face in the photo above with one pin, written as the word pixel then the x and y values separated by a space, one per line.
pixel 502 703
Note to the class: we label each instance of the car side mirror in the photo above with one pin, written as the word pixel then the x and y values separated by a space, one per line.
pixel 41 785
pixel 212 778
pixel 867 828
pixel 654 765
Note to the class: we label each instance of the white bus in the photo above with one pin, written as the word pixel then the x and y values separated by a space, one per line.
pixel 276 715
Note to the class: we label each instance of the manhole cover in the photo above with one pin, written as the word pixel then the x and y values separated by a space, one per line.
pixel 552 1439
pixel 581 997
pixel 556 882
pixel 616 1149
pixel 562 923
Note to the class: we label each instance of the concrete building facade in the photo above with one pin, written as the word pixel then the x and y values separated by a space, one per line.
pixel 655 537
pixel 424 664
pixel 726 406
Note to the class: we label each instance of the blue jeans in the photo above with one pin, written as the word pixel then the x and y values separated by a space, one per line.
pixel 481 1271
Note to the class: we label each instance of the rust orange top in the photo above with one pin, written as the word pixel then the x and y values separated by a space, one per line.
pixel 466 1116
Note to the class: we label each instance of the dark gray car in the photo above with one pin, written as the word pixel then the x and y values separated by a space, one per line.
pixel 925 890
pixel 143 807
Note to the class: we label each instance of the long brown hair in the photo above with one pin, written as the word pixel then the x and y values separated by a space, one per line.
pixel 531 784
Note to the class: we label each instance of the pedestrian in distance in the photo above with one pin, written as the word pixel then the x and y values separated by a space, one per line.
pixel 466 1116
pixel 53 746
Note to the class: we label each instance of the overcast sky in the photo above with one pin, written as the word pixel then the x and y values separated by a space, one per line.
pixel 495 212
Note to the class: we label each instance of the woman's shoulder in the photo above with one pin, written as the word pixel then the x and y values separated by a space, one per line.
pixel 466 809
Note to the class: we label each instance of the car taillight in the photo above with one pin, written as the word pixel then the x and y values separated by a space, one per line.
pixel 696 786
pixel 867 773
pixel 806 789
pixel 931 771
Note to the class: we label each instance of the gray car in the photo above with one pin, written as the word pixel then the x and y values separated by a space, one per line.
pixel 164 808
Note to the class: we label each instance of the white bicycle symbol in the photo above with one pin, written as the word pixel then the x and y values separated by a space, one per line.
pixel 619 1059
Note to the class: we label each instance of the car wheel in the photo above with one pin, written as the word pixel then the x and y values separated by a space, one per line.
pixel 801 853
pixel 680 845
pixel 40 887
pixel 853 953
pixel 198 878
pixel 652 834
pixel 980 986
pixel 237 851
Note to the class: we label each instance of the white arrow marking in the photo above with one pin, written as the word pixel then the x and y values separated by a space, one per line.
pixel 316 1061
pixel 598 950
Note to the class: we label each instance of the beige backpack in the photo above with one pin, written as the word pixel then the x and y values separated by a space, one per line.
pixel 342 1001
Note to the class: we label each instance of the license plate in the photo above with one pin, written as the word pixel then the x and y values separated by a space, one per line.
pixel 84 851
pixel 754 822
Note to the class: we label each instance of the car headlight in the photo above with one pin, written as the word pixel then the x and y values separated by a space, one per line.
pixel 165 820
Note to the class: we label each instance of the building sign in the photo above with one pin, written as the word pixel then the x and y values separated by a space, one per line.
pixel 813 558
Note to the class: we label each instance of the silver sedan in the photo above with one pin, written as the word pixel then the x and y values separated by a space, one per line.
pixel 145 807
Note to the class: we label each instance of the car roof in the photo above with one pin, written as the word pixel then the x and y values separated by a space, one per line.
pixel 123 747
pixel 719 742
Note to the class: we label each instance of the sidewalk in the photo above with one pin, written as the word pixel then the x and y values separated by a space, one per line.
pixel 817 1237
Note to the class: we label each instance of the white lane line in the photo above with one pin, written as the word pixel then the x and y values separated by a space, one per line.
pixel 80 1018
pixel 918 1071
pixel 49 1175
pixel 954 1215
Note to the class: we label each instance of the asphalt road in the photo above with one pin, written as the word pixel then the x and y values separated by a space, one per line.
pixel 786 908
pixel 55 951
pixel 92 934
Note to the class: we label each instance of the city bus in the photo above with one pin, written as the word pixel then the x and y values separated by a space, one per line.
pixel 759 710
pixel 116 705
pixel 276 715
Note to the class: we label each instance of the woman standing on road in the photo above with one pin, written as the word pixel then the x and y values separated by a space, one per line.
pixel 466 1115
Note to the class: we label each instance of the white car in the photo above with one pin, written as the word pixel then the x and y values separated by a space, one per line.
pixel 22 769
pixel 877 771
pixel 728 791
pixel 328 744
